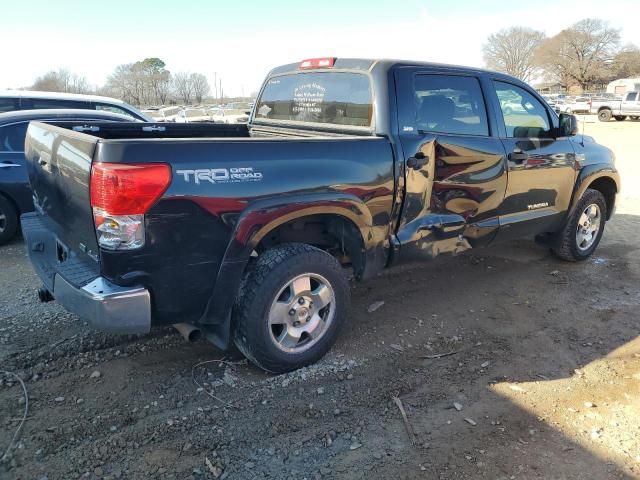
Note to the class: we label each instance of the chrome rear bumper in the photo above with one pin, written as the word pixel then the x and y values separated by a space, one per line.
pixel 106 306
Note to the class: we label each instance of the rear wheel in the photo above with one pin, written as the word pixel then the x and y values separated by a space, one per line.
pixel 291 307
pixel 604 115
pixel 583 230
pixel 634 118
pixel 8 220
pixel 620 118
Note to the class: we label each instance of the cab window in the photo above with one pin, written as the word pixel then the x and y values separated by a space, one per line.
pixel 450 104
pixel 43 103
pixel 8 104
pixel 524 115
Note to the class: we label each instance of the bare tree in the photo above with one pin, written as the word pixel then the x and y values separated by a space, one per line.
pixel 143 83
pixel 200 86
pixel 126 83
pixel 61 80
pixel 512 51
pixel 183 87
pixel 581 54
pixel 146 82
pixel 626 63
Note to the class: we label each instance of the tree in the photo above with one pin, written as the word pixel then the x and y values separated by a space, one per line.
pixel 200 86
pixel 512 51
pixel 183 87
pixel 157 77
pixel 146 82
pixel 127 83
pixel 581 54
pixel 626 63
pixel 61 80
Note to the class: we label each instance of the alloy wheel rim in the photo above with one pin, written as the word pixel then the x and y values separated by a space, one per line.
pixel 301 313
pixel 588 227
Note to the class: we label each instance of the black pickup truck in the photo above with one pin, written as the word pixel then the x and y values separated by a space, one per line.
pixel 248 233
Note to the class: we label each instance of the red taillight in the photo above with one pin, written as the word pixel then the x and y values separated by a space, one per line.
pixel 128 189
pixel 317 63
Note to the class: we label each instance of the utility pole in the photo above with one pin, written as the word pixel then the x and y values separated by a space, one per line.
pixel 215 86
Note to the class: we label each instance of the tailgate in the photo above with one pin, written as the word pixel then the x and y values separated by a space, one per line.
pixel 59 167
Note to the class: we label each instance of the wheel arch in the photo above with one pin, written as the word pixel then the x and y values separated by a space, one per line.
pixel 602 178
pixel 259 223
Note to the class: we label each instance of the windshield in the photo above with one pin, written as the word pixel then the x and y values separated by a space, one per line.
pixel 333 98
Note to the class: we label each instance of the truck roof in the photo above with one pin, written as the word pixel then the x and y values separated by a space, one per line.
pixel 369 64
pixel 59 96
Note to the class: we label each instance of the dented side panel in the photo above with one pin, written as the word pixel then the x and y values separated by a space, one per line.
pixel 458 209
pixel 454 191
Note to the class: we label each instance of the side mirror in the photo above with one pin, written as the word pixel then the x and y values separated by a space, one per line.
pixel 568 125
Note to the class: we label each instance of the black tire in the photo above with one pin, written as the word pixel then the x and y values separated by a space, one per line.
pixel 8 220
pixel 604 115
pixel 565 244
pixel 272 272
pixel 634 118
pixel 620 118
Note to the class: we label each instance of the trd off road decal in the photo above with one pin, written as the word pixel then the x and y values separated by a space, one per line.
pixel 220 175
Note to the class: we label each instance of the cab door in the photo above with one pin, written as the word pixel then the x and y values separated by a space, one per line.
pixel 454 162
pixel 541 166
pixel 630 104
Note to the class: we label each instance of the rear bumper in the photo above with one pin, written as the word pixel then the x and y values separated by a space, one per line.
pixel 77 285
pixel 106 306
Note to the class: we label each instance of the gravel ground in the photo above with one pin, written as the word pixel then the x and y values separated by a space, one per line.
pixel 541 377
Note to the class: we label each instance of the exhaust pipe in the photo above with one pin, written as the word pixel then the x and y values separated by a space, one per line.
pixel 191 333
pixel 44 295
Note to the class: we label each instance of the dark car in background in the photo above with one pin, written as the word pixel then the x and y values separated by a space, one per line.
pixel 15 193
pixel 11 100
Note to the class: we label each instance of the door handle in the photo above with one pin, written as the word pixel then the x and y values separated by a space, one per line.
pixel 518 157
pixel 418 161
pixel 8 165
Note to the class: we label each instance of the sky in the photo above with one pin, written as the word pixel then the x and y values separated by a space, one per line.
pixel 240 41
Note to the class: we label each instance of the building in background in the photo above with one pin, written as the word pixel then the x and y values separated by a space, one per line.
pixel 623 85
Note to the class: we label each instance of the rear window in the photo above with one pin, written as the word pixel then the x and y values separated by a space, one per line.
pixel 333 98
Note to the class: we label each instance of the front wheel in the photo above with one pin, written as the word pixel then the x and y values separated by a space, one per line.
pixel 583 230
pixel 634 118
pixel 604 115
pixel 291 307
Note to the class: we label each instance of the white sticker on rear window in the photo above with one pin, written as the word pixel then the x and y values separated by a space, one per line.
pixel 308 97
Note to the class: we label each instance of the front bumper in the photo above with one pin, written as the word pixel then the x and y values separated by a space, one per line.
pixel 78 286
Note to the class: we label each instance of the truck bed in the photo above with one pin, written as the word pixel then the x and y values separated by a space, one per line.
pixel 194 228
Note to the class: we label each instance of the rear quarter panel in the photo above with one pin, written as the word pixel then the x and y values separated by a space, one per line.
pixel 201 221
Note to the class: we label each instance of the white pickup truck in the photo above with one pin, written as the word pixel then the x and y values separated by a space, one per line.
pixel 620 109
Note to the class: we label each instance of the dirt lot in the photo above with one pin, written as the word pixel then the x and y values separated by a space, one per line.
pixel 543 379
